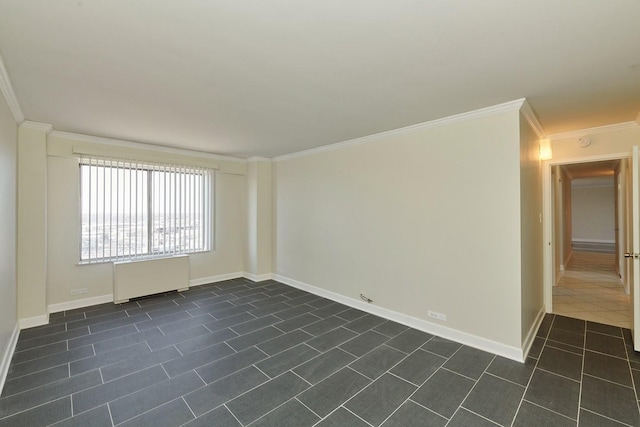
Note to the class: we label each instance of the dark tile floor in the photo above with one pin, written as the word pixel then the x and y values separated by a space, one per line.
pixel 238 353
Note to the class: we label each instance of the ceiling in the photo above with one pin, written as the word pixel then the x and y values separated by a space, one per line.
pixel 265 78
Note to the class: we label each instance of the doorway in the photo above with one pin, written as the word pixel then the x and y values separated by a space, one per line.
pixel 587 237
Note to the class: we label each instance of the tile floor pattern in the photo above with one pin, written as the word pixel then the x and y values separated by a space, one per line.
pixel 590 289
pixel 238 353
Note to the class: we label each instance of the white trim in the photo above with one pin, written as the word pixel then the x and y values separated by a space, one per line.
pixel 87 302
pixel 8 355
pixel 143 146
pixel 46 128
pixel 9 94
pixel 494 347
pixel 598 129
pixel 214 279
pixel 593 240
pixel 589 159
pixel 475 114
pixel 79 303
pixel 257 277
pixel 258 159
pixel 531 335
pixel 531 117
pixel 31 322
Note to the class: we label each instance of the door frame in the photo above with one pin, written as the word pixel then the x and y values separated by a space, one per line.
pixel 547 222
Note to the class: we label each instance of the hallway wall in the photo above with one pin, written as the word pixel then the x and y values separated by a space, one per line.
pixel 593 213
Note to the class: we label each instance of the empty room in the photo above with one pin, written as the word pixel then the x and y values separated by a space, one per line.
pixel 294 213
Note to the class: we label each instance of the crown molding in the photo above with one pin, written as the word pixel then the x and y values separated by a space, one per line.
pixel 143 146
pixel 46 128
pixel 475 114
pixel 9 95
pixel 598 129
pixel 258 159
pixel 531 117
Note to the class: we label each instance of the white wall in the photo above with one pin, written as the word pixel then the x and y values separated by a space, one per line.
pixel 63 273
pixel 8 207
pixel 530 230
pixel 593 213
pixel 423 220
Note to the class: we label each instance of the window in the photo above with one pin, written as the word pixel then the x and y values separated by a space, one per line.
pixel 132 210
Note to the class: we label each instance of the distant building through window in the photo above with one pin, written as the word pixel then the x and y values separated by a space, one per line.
pixel 132 210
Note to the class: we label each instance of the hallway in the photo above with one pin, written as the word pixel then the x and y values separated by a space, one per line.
pixel 590 289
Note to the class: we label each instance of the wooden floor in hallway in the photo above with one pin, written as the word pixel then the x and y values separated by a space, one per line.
pixel 590 289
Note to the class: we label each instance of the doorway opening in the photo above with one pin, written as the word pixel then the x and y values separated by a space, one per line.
pixel 589 211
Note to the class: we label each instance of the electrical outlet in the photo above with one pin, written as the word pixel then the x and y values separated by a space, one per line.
pixel 78 291
pixel 437 315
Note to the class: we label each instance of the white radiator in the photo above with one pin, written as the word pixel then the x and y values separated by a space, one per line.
pixel 132 279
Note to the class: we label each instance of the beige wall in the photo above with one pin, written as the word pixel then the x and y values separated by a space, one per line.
pixel 258 243
pixel 593 213
pixel 32 224
pixel 251 209
pixel 531 249
pixel 8 174
pixel 424 220
pixel 63 273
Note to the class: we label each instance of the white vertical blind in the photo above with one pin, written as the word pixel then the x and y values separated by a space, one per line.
pixel 131 209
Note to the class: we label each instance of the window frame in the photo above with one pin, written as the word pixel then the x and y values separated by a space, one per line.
pixel 206 206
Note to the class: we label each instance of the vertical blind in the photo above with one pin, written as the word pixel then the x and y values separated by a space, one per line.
pixel 131 209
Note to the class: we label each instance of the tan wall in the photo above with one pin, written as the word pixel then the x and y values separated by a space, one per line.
pixel 424 220
pixel 593 213
pixel 264 217
pixel 8 185
pixel 63 272
pixel 251 208
pixel 32 224
pixel 531 228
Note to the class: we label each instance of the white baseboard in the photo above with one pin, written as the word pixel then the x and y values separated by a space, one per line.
pixel 257 277
pixel 79 303
pixel 606 241
pixel 31 322
pixel 531 335
pixel 88 302
pixel 8 355
pixel 494 347
pixel 214 279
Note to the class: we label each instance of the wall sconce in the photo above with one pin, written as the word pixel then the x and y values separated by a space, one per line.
pixel 545 149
